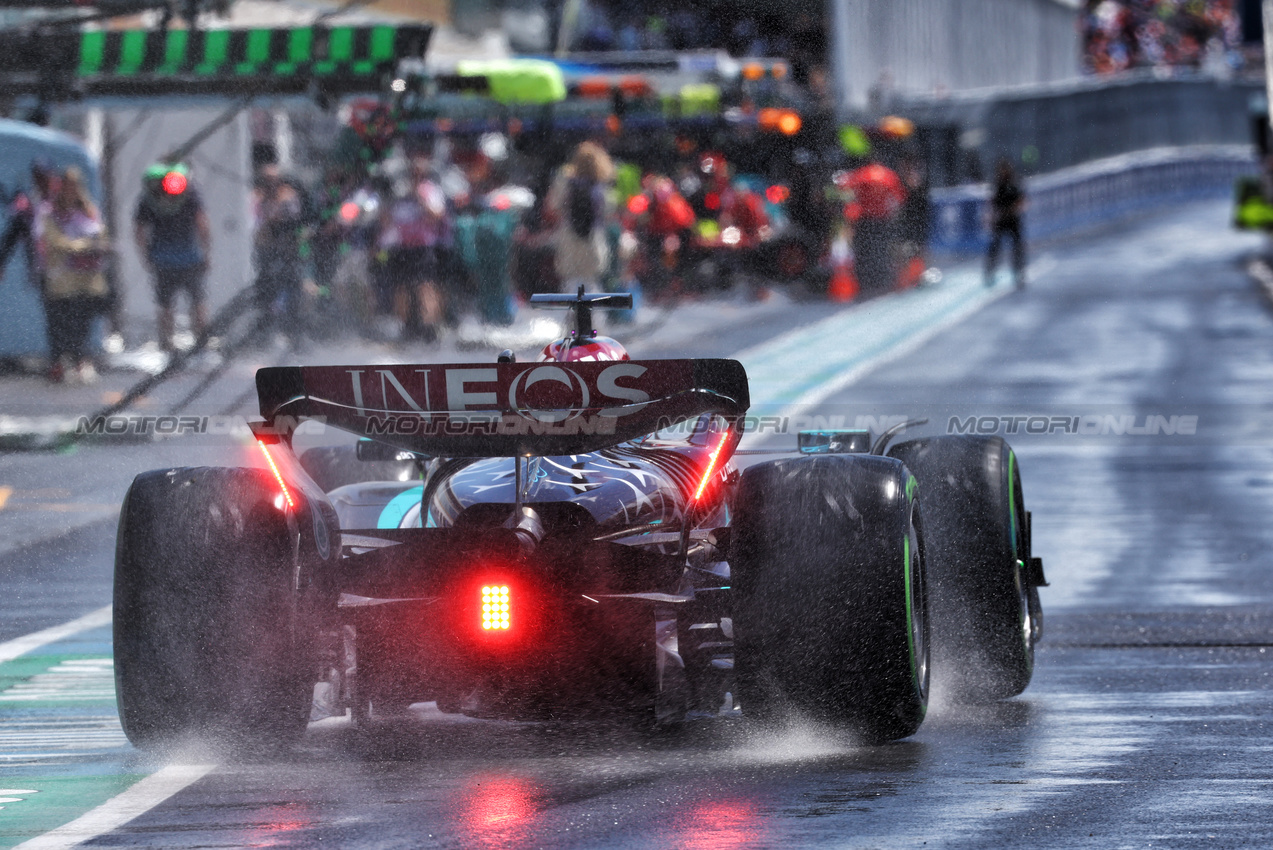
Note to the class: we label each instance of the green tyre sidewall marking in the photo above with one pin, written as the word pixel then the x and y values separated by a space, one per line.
pixel 916 675
pixel 1014 526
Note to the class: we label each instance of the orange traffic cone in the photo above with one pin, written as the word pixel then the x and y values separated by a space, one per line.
pixel 844 286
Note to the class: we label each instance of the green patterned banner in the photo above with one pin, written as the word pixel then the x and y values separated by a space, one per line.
pixel 319 51
pixel 337 58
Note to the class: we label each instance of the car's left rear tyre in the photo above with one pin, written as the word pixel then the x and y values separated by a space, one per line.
pixel 830 615
pixel 213 638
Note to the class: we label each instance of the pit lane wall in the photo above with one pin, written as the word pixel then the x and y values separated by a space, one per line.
pixel 1071 200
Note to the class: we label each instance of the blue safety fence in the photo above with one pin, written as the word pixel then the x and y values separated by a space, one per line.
pixel 1073 199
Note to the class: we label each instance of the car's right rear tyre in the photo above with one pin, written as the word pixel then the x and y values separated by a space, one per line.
pixel 212 636
pixel 986 613
pixel 830 614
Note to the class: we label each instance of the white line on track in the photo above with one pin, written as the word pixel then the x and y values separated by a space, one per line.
pixel 125 806
pixel 786 354
pixel 121 808
pixel 12 649
pixel 826 389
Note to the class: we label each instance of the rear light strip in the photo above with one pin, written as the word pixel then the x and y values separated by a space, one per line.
pixel 711 466
pixel 278 476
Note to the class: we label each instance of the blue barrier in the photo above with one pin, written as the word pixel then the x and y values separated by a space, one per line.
pixel 1075 198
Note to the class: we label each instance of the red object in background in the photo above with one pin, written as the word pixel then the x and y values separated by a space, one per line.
pixel 877 192
pixel 712 163
pixel 911 273
pixel 174 183
pixel 670 213
pixel 844 286
pixel 594 87
pixel 638 204
pixel 747 213
pixel 789 123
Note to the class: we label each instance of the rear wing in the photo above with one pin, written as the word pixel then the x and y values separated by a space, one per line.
pixel 504 409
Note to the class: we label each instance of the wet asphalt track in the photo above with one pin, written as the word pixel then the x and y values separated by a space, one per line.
pixel 1147 724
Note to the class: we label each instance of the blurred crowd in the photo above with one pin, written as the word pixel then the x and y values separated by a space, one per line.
pixel 1119 35
pixel 443 229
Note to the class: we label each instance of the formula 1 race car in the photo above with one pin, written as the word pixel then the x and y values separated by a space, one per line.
pixel 561 539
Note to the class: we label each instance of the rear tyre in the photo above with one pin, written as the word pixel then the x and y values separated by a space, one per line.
pixel 830 619
pixel 986 615
pixel 211 636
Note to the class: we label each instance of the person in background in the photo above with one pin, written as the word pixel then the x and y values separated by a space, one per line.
pixel 75 250
pixel 914 220
pixel 878 195
pixel 173 236
pixel 1007 204
pixel 335 235
pixel 280 222
pixel 578 202
pixel 663 222
pixel 26 208
pixel 743 227
pixel 414 230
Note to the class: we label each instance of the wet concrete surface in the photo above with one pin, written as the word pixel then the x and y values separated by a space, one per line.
pixel 1148 720
pixel 1109 748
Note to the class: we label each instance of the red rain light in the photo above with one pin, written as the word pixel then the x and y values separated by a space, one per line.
pixel 495 608
pixel 278 476
pixel 349 211
pixel 501 202
pixel 174 183
pixel 712 201
pixel 638 204
pixel 777 194
pixel 711 466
